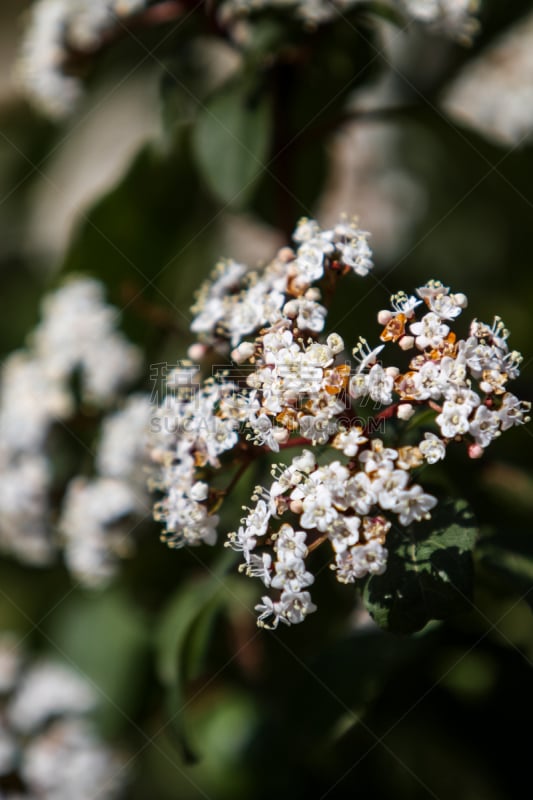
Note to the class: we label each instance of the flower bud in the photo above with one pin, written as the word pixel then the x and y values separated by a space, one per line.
pixel 405 411
pixel 475 450
pixel 384 316
pixel 406 342
pixel 197 351
pixel 243 352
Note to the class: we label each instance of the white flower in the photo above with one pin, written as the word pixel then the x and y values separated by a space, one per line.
pixel 123 441
pixel 25 480
pixel 447 306
pixel 306 229
pixel 453 419
pixel 513 411
pixel 310 261
pixel 309 315
pixel 47 744
pixel 432 289
pixel 357 255
pixel 260 567
pixel 92 542
pixel 266 609
pixel 78 331
pixel 364 355
pixel 358 386
pixel 485 426
pixel 359 561
pixel 389 487
pixel 318 511
pixel 462 397
pixel 432 448
pixel 258 518
pixel 291 575
pixel 68 762
pixel 295 606
pixel 290 544
pixel 413 505
pixel 344 533
pixel 378 456
pixel 30 402
pixel 380 385
pixel 47 690
pixel 349 441
pixel 361 493
pixel 429 332
pixel 404 304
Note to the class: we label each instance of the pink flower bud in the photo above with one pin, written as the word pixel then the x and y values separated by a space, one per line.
pixel 197 351
pixel 475 450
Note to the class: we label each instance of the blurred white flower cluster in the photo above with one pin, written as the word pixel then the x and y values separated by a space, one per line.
pixel 53 30
pixel 48 746
pixel 291 388
pixel 58 28
pixel 493 94
pixel 456 18
pixel 76 339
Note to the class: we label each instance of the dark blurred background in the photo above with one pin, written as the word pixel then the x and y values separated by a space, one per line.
pixel 334 708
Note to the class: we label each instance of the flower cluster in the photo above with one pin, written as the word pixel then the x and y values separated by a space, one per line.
pixel 76 337
pixel 465 380
pixel 57 28
pixel 54 29
pixel 290 387
pixel 492 94
pixel 196 425
pixel 238 301
pixel 48 747
pixel 456 18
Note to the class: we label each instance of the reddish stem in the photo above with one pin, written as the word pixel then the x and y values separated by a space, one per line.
pixel 238 475
pixel 298 441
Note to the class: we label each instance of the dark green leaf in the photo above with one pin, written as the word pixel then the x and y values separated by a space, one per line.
pixel 182 640
pixel 508 555
pixel 106 638
pixel 196 70
pixel 146 232
pixel 231 141
pixel 429 574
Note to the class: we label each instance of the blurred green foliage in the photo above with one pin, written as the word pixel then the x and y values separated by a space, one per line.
pixel 207 705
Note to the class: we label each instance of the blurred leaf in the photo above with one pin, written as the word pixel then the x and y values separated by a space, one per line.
pixel 183 637
pixel 225 721
pixel 511 484
pixel 146 231
pixel 509 555
pixel 106 638
pixel 231 140
pixel 470 674
pixel 429 574
pixel 196 70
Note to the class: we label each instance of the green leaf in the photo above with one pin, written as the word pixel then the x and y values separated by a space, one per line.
pixel 508 554
pixel 141 239
pixel 430 572
pixel 192 73
pixel 106 638
pixel 231 141
pixel 182 640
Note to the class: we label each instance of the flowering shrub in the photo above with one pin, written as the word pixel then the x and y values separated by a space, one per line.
pixel 289 389
pixel 257 420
